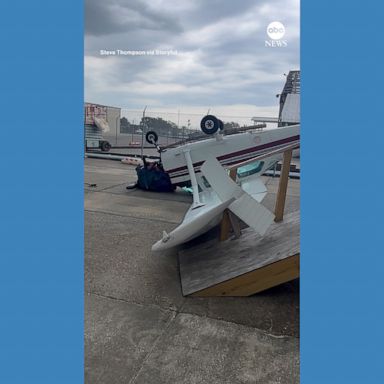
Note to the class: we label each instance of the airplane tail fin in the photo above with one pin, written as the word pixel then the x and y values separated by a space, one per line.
pixel 244 206
pixel 253 213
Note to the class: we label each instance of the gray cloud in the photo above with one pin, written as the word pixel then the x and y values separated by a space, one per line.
pixel 119 16
pixel 224 60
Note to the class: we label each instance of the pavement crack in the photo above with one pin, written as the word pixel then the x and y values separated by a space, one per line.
pixel 110 187
pixel 179 311
pixel 156 342
pixel 168 309
pixel 263 331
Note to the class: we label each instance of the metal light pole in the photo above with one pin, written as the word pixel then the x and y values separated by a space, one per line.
pixel 142 133
pixel 178 125
pixel 189 124
pixel 117 118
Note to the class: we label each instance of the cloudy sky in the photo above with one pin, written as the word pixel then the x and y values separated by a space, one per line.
pixel 222 62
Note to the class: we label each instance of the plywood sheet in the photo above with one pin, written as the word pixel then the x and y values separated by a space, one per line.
pixel 212 263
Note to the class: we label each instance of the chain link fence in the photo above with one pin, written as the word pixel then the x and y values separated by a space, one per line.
pixel 171 127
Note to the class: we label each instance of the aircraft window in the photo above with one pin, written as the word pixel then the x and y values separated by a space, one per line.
pixel 250 169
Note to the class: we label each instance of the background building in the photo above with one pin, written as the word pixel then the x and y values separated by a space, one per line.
pixel 108 113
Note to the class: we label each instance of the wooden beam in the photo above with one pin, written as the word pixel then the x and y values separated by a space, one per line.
pixel 283 185
pixel 256 281
pixel 235 224
pixel 233 173
pixel 225 226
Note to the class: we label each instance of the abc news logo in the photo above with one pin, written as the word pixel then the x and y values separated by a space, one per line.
pixel 276 32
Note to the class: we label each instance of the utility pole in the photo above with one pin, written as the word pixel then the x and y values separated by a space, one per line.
pixel 189 124
pixel 142 132
pixel 117 124
pixel 178 125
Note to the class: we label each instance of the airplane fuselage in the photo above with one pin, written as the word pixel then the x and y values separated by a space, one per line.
pixel 229 150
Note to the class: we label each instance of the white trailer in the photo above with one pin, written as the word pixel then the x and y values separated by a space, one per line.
pixel 98 121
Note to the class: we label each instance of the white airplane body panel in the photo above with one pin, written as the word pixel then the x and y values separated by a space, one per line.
pixel 196 222
pixel 207 161
pixel 228 150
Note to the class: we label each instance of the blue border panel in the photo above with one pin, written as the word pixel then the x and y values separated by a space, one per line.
pixel 41 271
pixel 342 263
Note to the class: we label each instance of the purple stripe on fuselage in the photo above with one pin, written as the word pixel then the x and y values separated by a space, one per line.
pixel 238 153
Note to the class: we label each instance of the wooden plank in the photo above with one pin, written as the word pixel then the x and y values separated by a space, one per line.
pixel 233 173
pixel 235 224
pixel 225 226
pixel 256 281
pixel 283 185
pixel 211 263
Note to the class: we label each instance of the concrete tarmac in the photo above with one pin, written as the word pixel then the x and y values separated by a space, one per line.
pixel 138 326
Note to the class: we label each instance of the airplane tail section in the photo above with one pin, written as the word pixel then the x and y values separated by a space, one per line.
pixel 244 206
pixel 244 203
pixel 252 213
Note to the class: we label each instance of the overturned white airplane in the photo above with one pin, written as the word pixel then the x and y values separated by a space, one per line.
pixel 205 165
